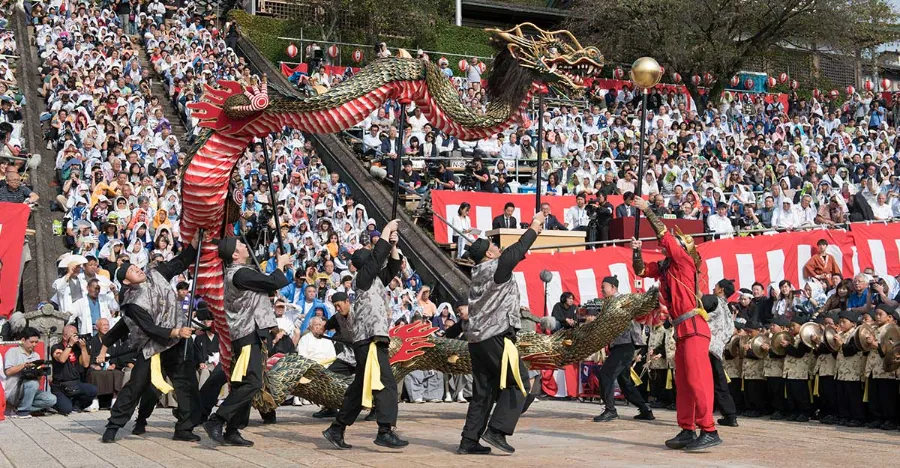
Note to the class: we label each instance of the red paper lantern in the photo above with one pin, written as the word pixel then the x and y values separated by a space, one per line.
pixel 662 70
pixel 463 65
pixel 794 84
pixel 835 94
pixel 696 80
pixel 816 93
pixel 333 51
pixel 850 90
pixel 735 80
pixel 676 78
pixel 748 83
pixel 771 82
pixel 885 84
pixel 618 73
pixel 292 50
pixel 868 85
pixel 708 78
pixel 481 67
pixel 357 56
pixel 783 78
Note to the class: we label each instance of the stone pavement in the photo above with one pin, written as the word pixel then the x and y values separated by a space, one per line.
pixel 552 433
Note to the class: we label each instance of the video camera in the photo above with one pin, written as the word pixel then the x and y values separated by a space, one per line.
pixel 41 368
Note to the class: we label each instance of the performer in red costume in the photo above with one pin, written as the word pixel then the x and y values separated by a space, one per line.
pixel 678 275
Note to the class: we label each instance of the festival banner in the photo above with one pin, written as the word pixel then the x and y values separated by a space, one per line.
pixel 13 221
pixel 487 206
pixel 878 246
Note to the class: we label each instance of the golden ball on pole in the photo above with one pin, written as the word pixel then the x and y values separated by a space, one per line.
pixel 646 72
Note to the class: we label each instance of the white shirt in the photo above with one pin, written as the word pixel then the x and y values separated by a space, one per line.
pixel 576 217
pixel 805 216
pixel 317 349
pixel 883 211
pixel 720 224
pixel 81 309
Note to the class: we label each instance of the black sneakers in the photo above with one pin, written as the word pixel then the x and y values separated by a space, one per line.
pixel 498 440
pixel 645 415
pixel 390 440
pixel 236 439
pixel 705 441
pixel 186 436
pixel 269 418
pixel 214 427
pixel 730 421
pixel 470 447
pixel 606 416
pixel 682 440
pixel 140 427
pixel 325 413
pixel 109 436
pixel 335 435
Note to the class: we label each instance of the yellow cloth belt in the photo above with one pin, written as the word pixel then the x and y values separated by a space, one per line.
pixel 511 359
pixel 240 367
pixel 866 392
pixel 785 392
pixel 742 384
pixel 156 377
pixel 727 377
pixel 702 313
pixel 816 386
pixel 669 379
pixel 635 377
pixel 327 362
pixel 809 385
pixel 372 376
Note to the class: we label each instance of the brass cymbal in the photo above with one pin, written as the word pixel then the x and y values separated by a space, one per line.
pixel 734 346
pixel 863 332
pixel 757 343
pixel 890 338
pixel 892 359
pixel 831 340
pixel 809 330
pixel 776 342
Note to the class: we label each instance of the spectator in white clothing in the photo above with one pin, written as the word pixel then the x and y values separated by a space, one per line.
pixel 576 216
pixel 720 223
pixel 314 345
pixel 71 287
pixel 881 209
pixel 89 309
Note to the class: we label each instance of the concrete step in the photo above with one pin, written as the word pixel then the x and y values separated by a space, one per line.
pixel 169 111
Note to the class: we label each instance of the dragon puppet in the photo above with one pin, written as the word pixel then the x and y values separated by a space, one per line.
pixel 233 114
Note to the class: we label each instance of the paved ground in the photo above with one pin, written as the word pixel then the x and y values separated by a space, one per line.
pixel 552 433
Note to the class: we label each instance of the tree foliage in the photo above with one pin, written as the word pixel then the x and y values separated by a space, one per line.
pixel 694 37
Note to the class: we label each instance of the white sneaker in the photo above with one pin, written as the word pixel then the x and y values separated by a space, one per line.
pixel 419 400
pixel 461 399
pixel 95 406
pixel 21 416
pixel 448 398
pixel 112 403
pixel 297 401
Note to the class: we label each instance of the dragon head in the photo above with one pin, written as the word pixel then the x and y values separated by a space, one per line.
pixel 553 57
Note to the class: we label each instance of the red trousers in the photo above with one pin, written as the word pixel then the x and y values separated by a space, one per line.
pixel 694 381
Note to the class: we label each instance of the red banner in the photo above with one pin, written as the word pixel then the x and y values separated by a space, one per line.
pixel 13 221
pixel 878 247
pixel 288 70
pixel 765 259
pixel 487 206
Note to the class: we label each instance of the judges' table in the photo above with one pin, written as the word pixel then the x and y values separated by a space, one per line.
pixel 507 237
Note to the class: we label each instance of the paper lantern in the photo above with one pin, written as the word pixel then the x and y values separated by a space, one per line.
pixel 748 83
pixel 618 73
pixel 481 67
pixel 816 93
pixel 735 80
pixel 357 56
pixel 850 90
pixel 868 85
pixel 333 51
pixel 783 78
pixel 708 78
pixel 696 80
pixel 676 78
pixel 771 82
pixel 835 94
pixel 794 84
pixel 662 70
pixel 463 65
pixel 292 50
pixel 885 84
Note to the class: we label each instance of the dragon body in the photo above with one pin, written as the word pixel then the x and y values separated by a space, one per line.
pixel 414 347
pixel 233 114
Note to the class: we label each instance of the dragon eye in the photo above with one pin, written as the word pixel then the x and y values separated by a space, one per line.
pixel 553 50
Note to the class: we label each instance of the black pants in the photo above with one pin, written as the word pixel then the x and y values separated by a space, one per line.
pixel 755 394
pixel 798 397
pixel 658 388
pixel 883 399
pixel 80 399
pixel 850 404
pixel 342 368
pixel 826 402
pixel 235 410
pixel 489 406
pixel 617 367
pixel 180 372
pixel 721 391
pixel 775 390
pixel 384 400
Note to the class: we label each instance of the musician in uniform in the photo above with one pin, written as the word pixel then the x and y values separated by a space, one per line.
pixel 850 367
pixel 499 378
pixel 732 364
pixel 773 369
pixel 158 329
pixel 883 386
pixel 374 382
pixel 798 361
pixel 661 350
pixel 824 370
pixel 753 374
pixel 250 315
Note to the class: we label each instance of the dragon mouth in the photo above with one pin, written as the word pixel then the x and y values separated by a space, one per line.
pixel 574 72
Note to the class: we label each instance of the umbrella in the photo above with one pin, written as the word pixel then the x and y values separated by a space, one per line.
pixel 68 260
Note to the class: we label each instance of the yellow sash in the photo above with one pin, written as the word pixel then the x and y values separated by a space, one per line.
pixel 156 377
pixel 372 376
pixel 809 385
pixel 866 392
pixel 240 367
pixel 816 386
pixel 327 362
pixel 727 378
pixel 636 378
pixel 742 384
pixel 511 359
pixel 669 379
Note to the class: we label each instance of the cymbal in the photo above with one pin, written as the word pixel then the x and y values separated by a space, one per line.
pixel 757 343
pixel 776 342
pixel 890 338
pixel 892 359
pixel 863 332
pixel 831 340
pixel 810 329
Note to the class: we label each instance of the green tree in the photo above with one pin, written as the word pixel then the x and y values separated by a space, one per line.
pixel 694 37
